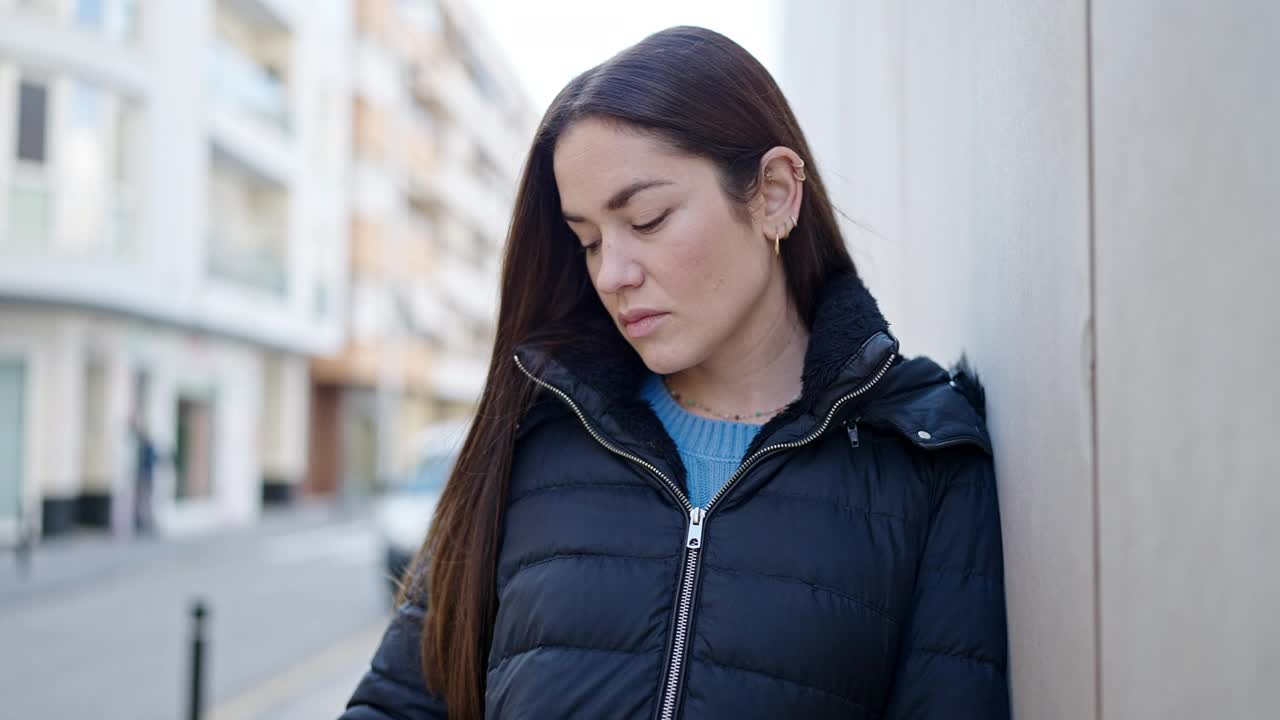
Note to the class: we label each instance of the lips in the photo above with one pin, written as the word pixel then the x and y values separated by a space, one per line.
pixel 638 323
pixel 633 316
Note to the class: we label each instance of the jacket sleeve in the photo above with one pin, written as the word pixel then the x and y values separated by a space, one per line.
pixel 393 688
pixel 953 659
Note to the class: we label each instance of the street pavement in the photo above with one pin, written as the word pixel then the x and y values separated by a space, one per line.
pixel 101 628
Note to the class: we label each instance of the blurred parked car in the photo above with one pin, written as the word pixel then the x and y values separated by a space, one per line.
pixel 404 511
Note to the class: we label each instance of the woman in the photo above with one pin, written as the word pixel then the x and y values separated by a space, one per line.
pixel 702 482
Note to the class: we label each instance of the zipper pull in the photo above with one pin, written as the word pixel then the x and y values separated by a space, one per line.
pixel 851 426
pixel 694 540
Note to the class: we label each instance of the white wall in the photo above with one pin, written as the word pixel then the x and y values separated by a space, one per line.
pixel 56 344
pixel 1187 157
pixel 230 376
pixel 956 134
pixel 1139 565
pixel 23 341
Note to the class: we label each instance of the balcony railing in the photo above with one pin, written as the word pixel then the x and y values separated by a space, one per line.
pixel 29 213
pixel 31 208
pixel 114 20
pixel 249 257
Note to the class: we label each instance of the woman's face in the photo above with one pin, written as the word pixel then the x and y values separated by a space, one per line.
pixel 660 239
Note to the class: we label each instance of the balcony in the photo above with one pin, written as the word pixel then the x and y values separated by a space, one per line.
pixel 449 85
pixel 238 82
pixel 471 291
pixel 113 20
pixel 249 257
pixel 248 227
pixel 29 214
pixel 265 16
pixel 458 189
pixel 38 217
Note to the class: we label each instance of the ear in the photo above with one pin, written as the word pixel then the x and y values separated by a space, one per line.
pixel 781 192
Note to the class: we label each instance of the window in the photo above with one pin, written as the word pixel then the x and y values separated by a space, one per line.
pixel 115 19
pixel 87 101
pixel 128 144
pixel 248 230
pixel 125 139
pixel 30 204
pixel 89 14
pixel 33 117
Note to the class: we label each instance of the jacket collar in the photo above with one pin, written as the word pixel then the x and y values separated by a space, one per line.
pixel 850 346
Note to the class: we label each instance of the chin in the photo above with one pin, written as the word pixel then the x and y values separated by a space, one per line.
pixel 664 360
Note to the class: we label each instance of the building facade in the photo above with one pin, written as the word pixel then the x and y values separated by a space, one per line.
pixel 440 128
pixel 173 249
pixel 1081 197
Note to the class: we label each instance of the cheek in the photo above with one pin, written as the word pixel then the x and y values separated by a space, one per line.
pixel 701 259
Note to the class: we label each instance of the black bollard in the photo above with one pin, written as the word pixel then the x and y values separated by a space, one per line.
pixel 198 613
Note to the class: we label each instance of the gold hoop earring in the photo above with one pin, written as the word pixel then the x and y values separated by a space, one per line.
pixel 777 246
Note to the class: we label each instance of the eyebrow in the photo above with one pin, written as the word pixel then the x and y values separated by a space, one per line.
pixel 622 197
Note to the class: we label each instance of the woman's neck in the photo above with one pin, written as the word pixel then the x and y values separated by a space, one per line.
pixel 757 370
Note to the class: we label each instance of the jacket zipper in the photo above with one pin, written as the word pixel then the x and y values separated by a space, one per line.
pixel 675 489
pixel 697 520
pixel 746 464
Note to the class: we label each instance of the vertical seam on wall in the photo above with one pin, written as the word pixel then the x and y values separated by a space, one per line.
pixel 904 209
pixel 1093 360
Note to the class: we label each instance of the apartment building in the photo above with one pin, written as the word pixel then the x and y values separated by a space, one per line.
pixel 173 249
pixel 440 128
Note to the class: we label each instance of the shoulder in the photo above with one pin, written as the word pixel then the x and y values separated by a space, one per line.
pixel 938 418
pixel 549 438
pixel 544 411
pixel 931 407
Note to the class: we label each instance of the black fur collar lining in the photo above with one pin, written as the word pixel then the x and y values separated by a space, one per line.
pixel 589 360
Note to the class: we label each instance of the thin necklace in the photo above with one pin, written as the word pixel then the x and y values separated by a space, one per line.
pixel 736 417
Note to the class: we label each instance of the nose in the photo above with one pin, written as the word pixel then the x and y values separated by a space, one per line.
pixel 616 267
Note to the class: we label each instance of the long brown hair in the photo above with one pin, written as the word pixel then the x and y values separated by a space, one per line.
pixel 698 92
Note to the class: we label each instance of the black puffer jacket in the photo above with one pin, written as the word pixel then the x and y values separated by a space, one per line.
pixel 851 568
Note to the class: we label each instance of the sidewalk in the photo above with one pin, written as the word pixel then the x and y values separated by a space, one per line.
pixel 103 629
pixel 87 557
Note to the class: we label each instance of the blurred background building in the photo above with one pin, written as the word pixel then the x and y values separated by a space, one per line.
pixel 440 127
pixel 173 235
pixel 247 248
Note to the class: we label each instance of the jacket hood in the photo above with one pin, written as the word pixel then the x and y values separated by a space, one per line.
pixel 851 351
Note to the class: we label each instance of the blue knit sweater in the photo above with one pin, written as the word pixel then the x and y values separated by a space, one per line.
pixel 710 449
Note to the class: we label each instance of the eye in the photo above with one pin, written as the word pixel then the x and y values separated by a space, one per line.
pixel 592 249
pixel 651 226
